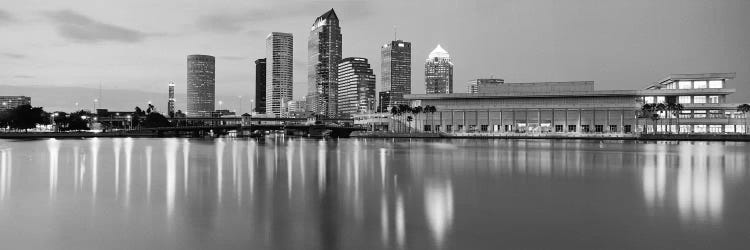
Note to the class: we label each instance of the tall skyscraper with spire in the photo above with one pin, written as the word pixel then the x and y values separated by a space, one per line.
pixel 438 72
pixel 324 55
pixel 395 73
pixel 279 72
pixel 170 103
pixel 201 85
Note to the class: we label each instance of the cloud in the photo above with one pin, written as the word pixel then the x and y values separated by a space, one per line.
pixel 77 27
pixel 6 17
pixel 13 55
pixel 233 22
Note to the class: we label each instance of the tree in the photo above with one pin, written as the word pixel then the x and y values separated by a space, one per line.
pixel 394 112
pixel 647 112
pixel 78 120
pixel 416 111
pixel 660 108
pixel 24 117
pixel 408 120
pixel 676 109
pixel 745 109
pixel 155 120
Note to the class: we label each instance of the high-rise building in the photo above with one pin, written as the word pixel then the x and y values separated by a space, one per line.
pixel 279 72
pixel 260 86
pixel 396 72
pixel 473 86
pixel 356 87
pixel 324 55
pixel 11 102
pixel 384 101
pixel 438 72
pixel 201 84
pixel 170 103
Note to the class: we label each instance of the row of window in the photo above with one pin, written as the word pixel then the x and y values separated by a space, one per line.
pixel 687 129
pixel 714 113
pixel 713 84
pixel 522 129
pixel 683 99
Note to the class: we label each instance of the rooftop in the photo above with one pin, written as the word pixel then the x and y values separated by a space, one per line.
pixel 439 52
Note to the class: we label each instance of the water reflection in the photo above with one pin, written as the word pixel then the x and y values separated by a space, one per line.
pixel 373 194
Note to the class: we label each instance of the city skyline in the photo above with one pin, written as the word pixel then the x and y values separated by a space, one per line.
pixel 536 53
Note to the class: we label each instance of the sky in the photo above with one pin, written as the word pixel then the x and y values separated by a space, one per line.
pixel 134 46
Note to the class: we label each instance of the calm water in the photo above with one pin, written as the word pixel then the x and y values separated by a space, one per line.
pixel 282 193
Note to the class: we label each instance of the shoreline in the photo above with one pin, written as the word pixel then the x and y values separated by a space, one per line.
pixel 600 137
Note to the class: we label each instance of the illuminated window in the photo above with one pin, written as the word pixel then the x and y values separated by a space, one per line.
pixel 684 99
pixel 700 85
pixel 740 128
pixel 729 128
pixel 699 128
pixel 685 129
pixel 660 99
pixel 713 99
pixel 716 84
pixel 714 128
pixel 699 114
pixel 686 85
pixel 648 99
pixel 699 99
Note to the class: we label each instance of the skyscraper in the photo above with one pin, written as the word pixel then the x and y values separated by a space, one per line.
pixel 356 87
pixel 279 72
pixel 201 73
pixel 170 103
pixel 324 55
pixel 438 72
pixel 260 86
pixel 395 72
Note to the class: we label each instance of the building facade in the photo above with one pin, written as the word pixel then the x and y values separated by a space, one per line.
pixel 356 87
pixel 438 72
pixel 472 86
pixel 201 85
pixel 396 72
pixel 260 86
pixel 11 102
pixel 170 103
pixel 324 51
pixel 574 107
pixel 384 100
pixel 279 72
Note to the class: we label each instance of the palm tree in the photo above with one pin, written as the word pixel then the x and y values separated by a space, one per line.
pixel 408 120
pixel 416 111
pixel 676 109
pixel 745 109
pixel 394 112
pixel 647 111
pixel 660 109
pixel 429 110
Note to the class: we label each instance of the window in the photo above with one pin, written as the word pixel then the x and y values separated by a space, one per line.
pixel 627 129
pixel 713 99
pixel 585 128
pixel 715 114
pixel 685 129
pixel 699 128
pixel 686 85
pixel 716 84
pixel 483 128
pixel 660 99
pixel 437 128
pixel 448 128
pixel 598 128
pixel 699 99
pixel 612 128
pixel 699 114
pixel 729 128
pixel 427 128
pixel 460 128
pixel 739 128
pixel 571 128
pixel 558 128
pixel 685 113
pixel 714 128
pixel 684 99
pixel 648 99
pixel 700 85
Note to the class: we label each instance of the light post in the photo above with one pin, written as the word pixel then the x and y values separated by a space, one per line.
pixel 240 108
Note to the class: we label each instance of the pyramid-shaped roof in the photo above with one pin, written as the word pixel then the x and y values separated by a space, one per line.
pixel 330 15
pixel 439 52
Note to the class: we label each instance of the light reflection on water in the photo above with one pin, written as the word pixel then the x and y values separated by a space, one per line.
pixel 370 194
